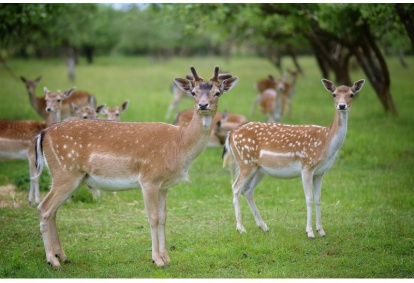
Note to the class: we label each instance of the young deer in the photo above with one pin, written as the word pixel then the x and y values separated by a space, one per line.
pixel 288 151
pixel 80 98
pixel 17 142
pixel 152 156
pixel 271 83
pixel 271 105
pixel 114 113
pixel 86 112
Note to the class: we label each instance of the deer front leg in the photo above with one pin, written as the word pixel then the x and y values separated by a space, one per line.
pixel 34 183
pixel 162 212
pixel 237 189
pixel 307 187
pixel 317 184
pixel 150 194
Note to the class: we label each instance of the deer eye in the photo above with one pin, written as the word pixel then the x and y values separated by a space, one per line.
pixel 59 100
pixel 193 93
pixel 334 95
pixel 352 95
pixel 218 93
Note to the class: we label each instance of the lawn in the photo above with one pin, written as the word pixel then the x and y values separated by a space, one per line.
pixel 367 196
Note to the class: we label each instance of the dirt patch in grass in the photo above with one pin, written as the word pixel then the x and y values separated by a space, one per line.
pixel 8 197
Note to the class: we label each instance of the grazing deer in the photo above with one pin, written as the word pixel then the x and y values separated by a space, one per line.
pixel 152 156
pixel 80 98
pixel 262 85
pixel 17 141
pixel 288 151
pixel 114 113
pixel 185 116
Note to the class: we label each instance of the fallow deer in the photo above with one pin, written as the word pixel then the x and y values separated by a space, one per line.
pixel 17 141
pixel 114 113
pixel 288 151
pixel 86 112
pixel 278 84
pixel 271 105
pixel 80 98
pixel 153 156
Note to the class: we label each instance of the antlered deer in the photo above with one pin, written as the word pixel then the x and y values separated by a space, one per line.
pixel 152 156
pixel 288 151
pixel 17 139
pixel 80 98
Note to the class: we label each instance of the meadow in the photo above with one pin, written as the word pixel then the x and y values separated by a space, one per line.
pixel 367 196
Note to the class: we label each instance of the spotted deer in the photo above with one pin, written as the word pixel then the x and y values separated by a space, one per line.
pixel 17 141
pixel 153 156
pixel 288 151
pixel 80 98
pixel 114 113
pixel 278 84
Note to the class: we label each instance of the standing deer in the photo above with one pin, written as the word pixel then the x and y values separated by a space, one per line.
pixel 288 151
pixel 17 139
pixel 262 85
pixel 80 98
pixel 271 105
pixel 153 156
pixel 114 113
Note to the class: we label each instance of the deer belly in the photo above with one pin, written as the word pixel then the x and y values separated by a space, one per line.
pixel 283 171
pixel 111 183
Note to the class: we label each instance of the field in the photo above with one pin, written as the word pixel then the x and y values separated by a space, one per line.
pixel 367 196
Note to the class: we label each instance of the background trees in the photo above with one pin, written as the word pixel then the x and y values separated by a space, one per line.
pixel 336 34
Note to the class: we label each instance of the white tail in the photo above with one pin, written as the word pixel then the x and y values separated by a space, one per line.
pixel 288 151
pixel 80 98
pixel 151 156
pixel 17 142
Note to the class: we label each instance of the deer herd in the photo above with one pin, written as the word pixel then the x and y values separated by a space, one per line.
pixel 79 148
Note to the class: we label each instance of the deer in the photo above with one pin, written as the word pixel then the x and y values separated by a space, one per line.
pixel 86 112
pixel 288 151
pixel 114 113
pixel 153 156
pixel 278 84
pixel 17 140
pixel 178 95
pixel 271 105
pixel 80 98
pixel 185 116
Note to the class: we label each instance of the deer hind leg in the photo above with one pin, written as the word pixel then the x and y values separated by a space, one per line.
pixel 249 196
pixel 61 190
pixel 317 184
pixel 239 186
pixel 307 178
pixel 152 204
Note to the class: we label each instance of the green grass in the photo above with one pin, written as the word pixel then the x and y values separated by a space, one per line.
pixel 367 196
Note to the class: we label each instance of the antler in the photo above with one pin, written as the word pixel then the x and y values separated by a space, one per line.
pixel 196 76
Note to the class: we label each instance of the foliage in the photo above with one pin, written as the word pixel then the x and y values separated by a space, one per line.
pixel 366 197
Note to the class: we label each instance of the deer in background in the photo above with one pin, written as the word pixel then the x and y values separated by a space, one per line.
pixel 271 105
pixel 185 116
pixel 86 112
pixel 114 113
pixel 153 156
pixel 271 83
pixel 288 151
pixel 80 98
pixel 17 140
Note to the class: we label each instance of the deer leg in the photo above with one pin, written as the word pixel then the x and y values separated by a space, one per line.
pixel 150 194
pixel 162 212
pixel 317 184
pixel 249 196
pixel 60 191
pixel 34 183
pixel 307 187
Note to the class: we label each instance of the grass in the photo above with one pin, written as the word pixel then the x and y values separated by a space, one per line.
pixel 367 196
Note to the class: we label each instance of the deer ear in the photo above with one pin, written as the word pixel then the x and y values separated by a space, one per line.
pixel 184 84
pixel 124 105
pixel 69 92
pixel 358 86
pixel 101 109
pixel 74 106
pixel 328 85
pixel 45 90
pixel 228 84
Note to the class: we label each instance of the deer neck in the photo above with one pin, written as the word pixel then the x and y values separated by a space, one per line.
pixel 52 118
pixel 196 134
pixel 337 131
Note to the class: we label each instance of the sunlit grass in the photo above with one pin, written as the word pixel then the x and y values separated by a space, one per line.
pixel 367 196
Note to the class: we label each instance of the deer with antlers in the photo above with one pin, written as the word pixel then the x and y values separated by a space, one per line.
pixel 288 151
pixel 80 98
pixel 153 156
pixel 17 138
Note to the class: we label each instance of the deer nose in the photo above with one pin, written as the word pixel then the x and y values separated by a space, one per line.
pixel 203 106
pixel 342 106
pixel 48 109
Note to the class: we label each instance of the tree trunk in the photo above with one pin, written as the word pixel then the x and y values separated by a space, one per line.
pixel 406 13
